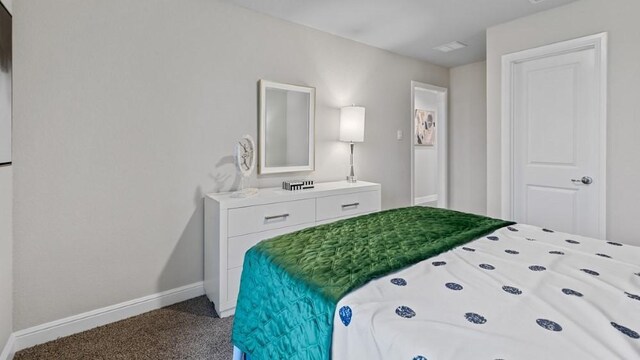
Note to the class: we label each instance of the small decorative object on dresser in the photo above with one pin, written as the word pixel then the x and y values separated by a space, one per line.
pixel 293 185
pixel 233 225
pixel 245 152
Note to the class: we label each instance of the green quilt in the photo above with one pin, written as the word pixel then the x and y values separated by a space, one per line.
pixel 291 284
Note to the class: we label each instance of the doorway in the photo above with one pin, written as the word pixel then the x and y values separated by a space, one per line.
pixel 554 136
pixel 428 145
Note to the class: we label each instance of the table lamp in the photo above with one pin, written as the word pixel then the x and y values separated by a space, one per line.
pixel 352 131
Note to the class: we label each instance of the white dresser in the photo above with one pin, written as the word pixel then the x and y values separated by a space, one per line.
pixel 233 225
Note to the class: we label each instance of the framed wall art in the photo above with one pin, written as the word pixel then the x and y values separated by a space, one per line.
pixel 5 86
pixel 425 123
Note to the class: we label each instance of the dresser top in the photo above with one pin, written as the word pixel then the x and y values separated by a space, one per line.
pixel 270 195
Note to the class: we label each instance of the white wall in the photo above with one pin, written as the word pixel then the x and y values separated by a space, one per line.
pixel 426 157
pixel 585 17
pixel 126 113
pixel 467 138
pixel 6 250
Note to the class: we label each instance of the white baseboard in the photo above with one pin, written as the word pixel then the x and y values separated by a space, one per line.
pixel 426 199
pixel 9 349
pixel 74 324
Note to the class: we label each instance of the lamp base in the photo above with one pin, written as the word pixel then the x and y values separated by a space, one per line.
pixel 352 179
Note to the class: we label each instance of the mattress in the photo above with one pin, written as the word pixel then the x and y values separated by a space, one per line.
pixel 521 292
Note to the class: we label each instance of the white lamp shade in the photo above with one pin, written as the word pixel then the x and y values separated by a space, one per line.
pixel 352 124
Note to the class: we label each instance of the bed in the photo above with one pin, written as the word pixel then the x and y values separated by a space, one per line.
pixel 422 283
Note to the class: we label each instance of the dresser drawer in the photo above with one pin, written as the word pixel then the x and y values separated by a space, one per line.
pixel 336 206
pixel 259 218
pixel 239 245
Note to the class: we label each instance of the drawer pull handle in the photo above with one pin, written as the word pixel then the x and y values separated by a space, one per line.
pixel 282 216
pixel 355 204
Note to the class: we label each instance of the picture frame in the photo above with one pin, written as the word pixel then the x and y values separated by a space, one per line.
pixel 425 127
pixel 5 86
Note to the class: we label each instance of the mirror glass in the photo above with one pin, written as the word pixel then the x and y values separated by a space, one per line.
pixel 286 127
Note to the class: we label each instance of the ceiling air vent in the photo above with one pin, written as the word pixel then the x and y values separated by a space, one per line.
pixel 456 45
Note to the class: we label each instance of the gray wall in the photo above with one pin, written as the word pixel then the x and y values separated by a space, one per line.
pixel 585 17
pixel 6 263
pixel 467 138
pixel 126 113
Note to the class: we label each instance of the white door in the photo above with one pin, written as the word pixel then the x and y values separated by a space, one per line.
pixel 558 147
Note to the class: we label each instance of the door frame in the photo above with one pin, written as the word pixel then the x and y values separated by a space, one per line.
pixel 598 42
pixel 441 140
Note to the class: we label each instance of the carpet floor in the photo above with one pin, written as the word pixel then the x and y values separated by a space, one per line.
pixel 187 330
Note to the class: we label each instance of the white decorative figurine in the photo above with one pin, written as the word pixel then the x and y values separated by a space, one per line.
pixel 245 152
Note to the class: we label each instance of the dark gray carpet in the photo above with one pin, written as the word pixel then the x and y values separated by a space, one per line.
pixel 187 330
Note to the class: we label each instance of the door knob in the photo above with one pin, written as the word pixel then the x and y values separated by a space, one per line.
pixel 586 180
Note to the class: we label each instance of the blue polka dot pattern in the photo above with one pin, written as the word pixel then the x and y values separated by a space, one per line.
pixel 572 292
pixel 572 241
pixel 439 263
pixel 604 256
pixel 487 266
pixel 399 282
pixel 454 286
pixel 537 268
pixel 512 252
pixel 405 312
pixel 614 243
pixel 475 318
pixel 468 249
pixel 632 296
pixel 493 238
pixel 547 230
pixel 345 315
pixel 512 290
pixel 590 272
pixel 549 325
pixel 419 357
pixel 556 252
pixel 511 228
pixel 625 330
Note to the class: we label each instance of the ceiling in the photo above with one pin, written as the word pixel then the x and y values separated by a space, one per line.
pixel 407 27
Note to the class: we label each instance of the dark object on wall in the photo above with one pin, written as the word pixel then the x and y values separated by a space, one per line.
pixel 5 86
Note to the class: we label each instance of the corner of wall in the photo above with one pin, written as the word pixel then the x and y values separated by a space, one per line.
pixel 467 156
pixel 8 350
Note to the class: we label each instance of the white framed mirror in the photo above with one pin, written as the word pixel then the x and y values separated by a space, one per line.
pixel 287 128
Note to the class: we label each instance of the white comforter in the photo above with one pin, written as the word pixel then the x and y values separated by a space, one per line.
pixel 519 293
